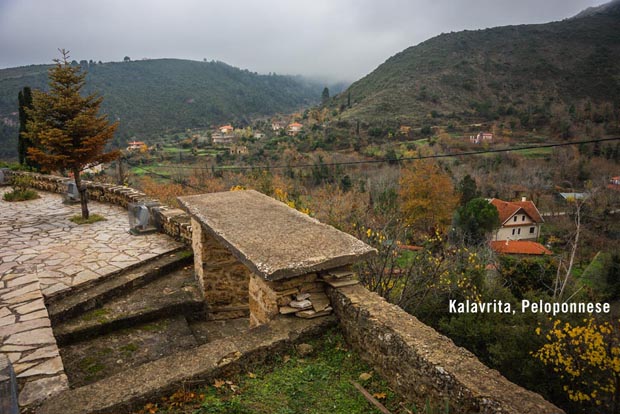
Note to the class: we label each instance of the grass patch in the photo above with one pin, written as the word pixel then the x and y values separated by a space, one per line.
pixel 290 384
pixel 100 315
pixel 92 218
pixel 129 349
pixel 20 195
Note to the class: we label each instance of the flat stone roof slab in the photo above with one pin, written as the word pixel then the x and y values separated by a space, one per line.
pixel 270 238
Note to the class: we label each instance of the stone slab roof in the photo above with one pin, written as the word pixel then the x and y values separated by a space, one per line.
pixel 270 238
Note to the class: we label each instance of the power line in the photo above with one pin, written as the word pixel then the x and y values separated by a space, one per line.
pixel 466 154
pixel 422 157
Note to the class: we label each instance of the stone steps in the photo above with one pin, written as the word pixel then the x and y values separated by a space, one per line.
pixel 87 297
pixel 129 389
pixel 94 359
pixel 175 293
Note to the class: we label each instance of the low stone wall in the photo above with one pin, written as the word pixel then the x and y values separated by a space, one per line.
pixel 173 222
pixel 424 365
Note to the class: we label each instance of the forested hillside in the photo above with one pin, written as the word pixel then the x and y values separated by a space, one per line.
pixel 524 71
pixel 165 94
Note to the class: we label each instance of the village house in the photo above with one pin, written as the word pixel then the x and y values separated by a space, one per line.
pixel 294 128
pixel 519 220
pixel 614 183
pixel 259 135
pixel 481 137
pixel 136 146
pixel 520 223
pixel 222 139
pixel 226 129
pixel 239 150
pixel 276 126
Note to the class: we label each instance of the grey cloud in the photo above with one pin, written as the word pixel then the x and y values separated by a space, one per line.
pixel 339 39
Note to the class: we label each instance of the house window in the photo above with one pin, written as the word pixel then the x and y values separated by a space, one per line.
pixel 532 230
pixel 522 218
pixel 513 232
pixel 519 232
pixel 515 219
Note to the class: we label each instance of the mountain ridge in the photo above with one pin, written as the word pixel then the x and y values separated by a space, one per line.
pixel 465 73
pixel 151 96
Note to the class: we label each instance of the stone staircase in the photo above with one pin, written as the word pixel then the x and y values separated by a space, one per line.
pixel 132 317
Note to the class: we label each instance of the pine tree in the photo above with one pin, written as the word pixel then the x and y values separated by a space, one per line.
pixel 24 99
pixel 65 127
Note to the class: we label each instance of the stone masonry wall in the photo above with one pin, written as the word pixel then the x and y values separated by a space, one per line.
pixel 423 364
pixel 173 222
pixel 223 278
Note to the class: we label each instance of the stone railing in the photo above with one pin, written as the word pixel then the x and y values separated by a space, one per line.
pixel 424 365
pixel 171 221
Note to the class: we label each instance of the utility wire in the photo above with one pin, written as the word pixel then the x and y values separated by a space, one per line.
pixel 422 157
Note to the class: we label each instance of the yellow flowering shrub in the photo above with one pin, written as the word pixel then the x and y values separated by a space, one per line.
pixel 587 359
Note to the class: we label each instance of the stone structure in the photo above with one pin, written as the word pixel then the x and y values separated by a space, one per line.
pixel 43 254
pixel 286 252
pixel 424 365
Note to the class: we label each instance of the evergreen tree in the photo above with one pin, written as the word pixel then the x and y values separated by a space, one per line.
pixel 65 127
pixel 476 219
pixel 467 189
pixel 325 95
pixel 24 99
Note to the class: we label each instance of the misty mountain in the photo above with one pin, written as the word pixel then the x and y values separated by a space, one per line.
pixel 152 96
pixel 483 74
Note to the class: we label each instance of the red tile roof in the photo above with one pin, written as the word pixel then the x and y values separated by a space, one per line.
pixel 519 247
pixel 295 125
pixel 507 209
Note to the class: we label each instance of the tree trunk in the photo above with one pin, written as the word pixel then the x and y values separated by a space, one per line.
pixel 82 191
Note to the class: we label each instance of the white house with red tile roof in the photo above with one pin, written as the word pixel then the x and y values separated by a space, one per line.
pixel 519 220
pixel 294 128
pixel 226 129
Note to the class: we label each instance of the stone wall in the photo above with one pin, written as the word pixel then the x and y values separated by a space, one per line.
pixel 424 365
pixel 173 222
pixel 223 278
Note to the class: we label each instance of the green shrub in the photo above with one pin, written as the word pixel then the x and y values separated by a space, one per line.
pixel 21 189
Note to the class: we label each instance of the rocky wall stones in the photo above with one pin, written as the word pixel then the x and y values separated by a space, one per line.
pixel 424 365
pixel 223 278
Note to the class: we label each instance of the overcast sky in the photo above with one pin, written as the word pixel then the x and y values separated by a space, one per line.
pixel 335 39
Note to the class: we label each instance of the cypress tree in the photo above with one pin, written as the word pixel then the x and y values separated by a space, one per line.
pixel 24 99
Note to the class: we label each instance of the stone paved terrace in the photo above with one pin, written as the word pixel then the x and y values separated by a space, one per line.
pixel 270 238
pixel 42 253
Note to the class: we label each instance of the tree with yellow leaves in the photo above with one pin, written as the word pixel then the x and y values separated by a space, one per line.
pixel 587 358
pixel 427 197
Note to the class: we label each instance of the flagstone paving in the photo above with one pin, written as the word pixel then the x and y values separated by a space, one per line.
pixel 42 254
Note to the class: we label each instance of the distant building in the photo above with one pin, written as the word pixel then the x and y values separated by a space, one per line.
pixel 136 146
pixel 481 137
pixel 519 220
pixel 566 197
pixel 614 183
pixel 259 135
pixel 294 128
pixel 404 129
pixel 276 126
pixel 226 129
pixel 93 169
pixel 222 139
pixel 239 150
